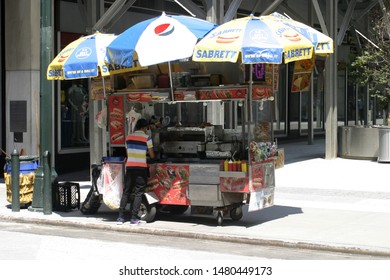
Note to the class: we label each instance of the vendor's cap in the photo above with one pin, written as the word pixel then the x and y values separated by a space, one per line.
pixel 141 123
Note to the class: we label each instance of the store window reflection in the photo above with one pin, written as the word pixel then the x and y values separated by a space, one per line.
pixel 73 102
pixel 74 114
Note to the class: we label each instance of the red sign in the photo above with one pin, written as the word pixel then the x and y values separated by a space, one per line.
pixel 116 120
pixel 184 95
pixel 170 183
pixel 262 92
pixel 226 93
pixel 139 97
pixel 257 176
pixel 233 184
pixel 302 75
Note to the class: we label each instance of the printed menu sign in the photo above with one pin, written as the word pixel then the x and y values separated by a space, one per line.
pixel 302 75
pixel 116 120
pixel 169 182
pixel 98 88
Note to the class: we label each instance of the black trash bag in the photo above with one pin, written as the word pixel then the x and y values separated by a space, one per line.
pixel 93 201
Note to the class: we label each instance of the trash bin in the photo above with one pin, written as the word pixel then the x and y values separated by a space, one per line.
pixel 384 144
pixel 27 167
pixel 112 181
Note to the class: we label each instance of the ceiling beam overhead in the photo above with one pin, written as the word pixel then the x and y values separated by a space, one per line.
pixel 232 10
pixel 345 23
pixel 109 14
pixel 256 7
pixel 285 8
pixel 371 5
pixel 191 8
pixel 119 15
pixel 320 17
pixel 271 8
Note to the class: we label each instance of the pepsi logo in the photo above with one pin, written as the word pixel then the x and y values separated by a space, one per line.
pixel 164 29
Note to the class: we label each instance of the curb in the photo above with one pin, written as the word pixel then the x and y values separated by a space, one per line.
pixel 204 236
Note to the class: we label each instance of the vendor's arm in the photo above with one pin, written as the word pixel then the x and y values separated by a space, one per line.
pixel 151 153
pixel 149 144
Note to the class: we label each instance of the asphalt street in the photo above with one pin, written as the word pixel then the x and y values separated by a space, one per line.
pixel 338 205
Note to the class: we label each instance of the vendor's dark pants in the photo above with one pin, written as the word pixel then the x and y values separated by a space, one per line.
pixel 135 181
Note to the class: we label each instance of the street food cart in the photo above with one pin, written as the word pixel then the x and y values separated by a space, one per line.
pixel 209 168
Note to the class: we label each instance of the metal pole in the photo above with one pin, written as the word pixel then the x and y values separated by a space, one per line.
pixel 15 181
pixel 300 114
pixel 170 81
pixel 310 130
pixel 45 103
pixel 331 85
pixel 46 96
pixel 356 105
pixel 346 98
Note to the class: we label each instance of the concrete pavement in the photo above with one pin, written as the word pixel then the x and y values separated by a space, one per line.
pixel 339 205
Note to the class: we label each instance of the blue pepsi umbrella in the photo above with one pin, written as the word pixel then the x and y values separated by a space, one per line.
pixel 161 39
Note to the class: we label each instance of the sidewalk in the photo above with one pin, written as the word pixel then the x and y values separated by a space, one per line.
pixel 340 205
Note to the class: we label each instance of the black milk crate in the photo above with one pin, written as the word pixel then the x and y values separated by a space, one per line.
pixel 66 196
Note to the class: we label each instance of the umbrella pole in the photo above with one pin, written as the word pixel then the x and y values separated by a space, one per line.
pixel 104 134
pixel 250 92
pixel 170 80
pixel 250 105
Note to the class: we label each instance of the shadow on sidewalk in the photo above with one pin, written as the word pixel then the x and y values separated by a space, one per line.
pixel 268 214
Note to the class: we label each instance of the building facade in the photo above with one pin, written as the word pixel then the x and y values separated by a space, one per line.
pixel 301 114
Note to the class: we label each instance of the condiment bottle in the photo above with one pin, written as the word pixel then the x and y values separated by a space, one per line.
pixel 244 166
pixel 234 165
pixel 230 165
pixel 226 165
pixel 238 164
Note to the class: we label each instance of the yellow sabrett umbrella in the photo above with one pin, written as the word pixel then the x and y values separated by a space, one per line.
pixel 267 39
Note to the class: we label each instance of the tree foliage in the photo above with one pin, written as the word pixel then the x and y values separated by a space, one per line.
pixel 372 66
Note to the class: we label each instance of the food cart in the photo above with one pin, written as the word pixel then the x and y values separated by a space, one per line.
pixel 209 168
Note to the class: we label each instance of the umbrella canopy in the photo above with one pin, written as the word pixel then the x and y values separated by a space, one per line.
pixel 322 43
pixel 162 39
pixel 84 58
pixel 268 39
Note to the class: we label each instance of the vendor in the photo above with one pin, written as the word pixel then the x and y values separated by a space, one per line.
pixel 138 145
pixel 155 123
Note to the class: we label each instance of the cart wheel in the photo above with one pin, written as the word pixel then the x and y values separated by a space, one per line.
pixel 236 213
pixel 220 218
pixel 147 211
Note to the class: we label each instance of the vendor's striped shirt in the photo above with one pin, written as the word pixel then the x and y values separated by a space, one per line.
pixel 137 145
